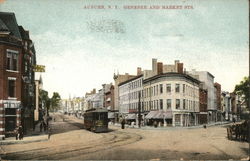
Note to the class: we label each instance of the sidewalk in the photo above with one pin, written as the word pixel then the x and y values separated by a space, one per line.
pixel 170 127
pixel 31 136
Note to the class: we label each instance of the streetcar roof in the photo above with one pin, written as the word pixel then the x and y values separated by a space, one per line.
pixel 97 110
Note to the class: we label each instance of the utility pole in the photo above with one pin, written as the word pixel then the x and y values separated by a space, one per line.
pixel 139 110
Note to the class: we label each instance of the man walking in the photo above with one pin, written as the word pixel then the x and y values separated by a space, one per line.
pixel 49 132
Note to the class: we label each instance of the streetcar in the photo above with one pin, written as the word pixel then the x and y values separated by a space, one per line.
pixel 96 120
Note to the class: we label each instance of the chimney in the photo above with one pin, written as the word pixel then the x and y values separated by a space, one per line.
pixel 139 71
pixel 94 91
pixel 159 68
pixel 180 68
pixel 154 66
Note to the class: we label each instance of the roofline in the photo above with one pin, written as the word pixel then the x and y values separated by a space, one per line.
pixel 130 80
pixel 169 74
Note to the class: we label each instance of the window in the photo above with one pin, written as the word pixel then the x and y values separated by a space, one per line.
pixel 177 104
pixel 12 60
pixel 183 88
pixel 11 88
pixel 168 88
pixel 161 88
pixel 184 103
pixel 168 103
pixel 157 104
pixel 154 91
pixel 157 90
pixel 161 104
pixel 177 88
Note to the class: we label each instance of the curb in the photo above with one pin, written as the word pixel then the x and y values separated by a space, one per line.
pixel 21 142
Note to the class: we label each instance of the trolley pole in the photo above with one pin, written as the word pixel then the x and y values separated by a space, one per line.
pixel 139 110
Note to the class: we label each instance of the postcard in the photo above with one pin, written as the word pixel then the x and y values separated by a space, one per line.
pixel 124 80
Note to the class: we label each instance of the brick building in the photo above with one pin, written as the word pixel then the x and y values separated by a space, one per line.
pixel 203 105
pixel 217 102
pixel 109 102
pixel 17 57
pixel 10 74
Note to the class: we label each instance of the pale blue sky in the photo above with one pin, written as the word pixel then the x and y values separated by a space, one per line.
pixel 213 36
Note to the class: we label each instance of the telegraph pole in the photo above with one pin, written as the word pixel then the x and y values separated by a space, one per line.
pixel 139 110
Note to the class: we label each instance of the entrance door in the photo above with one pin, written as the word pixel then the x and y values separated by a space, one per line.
pixel 10 123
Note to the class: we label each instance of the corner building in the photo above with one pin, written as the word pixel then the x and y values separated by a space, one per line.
pixel 173 93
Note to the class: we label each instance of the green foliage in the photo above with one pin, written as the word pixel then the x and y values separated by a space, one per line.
pixel 44 98
pixel 52 103
pixel 243 89
pixel 55 100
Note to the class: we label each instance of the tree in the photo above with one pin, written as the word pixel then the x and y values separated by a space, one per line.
pixel 44 99
pixel 55 100
pixel 243 89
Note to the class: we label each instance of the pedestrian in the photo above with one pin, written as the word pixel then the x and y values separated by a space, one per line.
pixel 44 126
pixel 155 124
pixel 16 132
pixel 41 126
pixel 234 120
pixel 49 132
pixel 20 132
pixel 123 123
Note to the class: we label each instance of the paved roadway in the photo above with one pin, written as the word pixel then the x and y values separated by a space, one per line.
pixel 70 141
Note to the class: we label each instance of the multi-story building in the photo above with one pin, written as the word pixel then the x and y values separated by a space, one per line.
pixel 174 93
pixel 217 102
pixel 226 106
pixel 118 78
pixel 167 94
pixel 129 94
pixel 208 80
pixel 203 115
pixel 38 107
pixel 109 97
pixel 11 55
pixel 28 80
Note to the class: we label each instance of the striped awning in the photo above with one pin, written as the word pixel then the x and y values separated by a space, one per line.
pixel 130 116
pixel 160 114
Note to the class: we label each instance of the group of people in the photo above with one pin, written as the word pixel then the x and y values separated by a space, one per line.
pixel 19 133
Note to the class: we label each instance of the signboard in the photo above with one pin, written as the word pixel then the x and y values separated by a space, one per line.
pixel 39 68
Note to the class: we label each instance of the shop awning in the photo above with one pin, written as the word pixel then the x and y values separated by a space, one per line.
pixel 160 114
pixel 130 116
pixel 111 115
pixel 108 99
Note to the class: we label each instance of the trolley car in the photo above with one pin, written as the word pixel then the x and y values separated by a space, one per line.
pixel 96 120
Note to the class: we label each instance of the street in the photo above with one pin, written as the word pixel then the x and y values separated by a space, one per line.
pixel 69 141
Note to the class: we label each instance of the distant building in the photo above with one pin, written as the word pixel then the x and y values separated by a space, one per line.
pixel 203 115
pixel 38 106
pixel 129 95
pixel 118 78
pixel 109 97
pixel 217 102
pixel 226 106
pixel 208 80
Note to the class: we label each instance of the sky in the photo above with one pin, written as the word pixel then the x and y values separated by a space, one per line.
pixel 82 47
